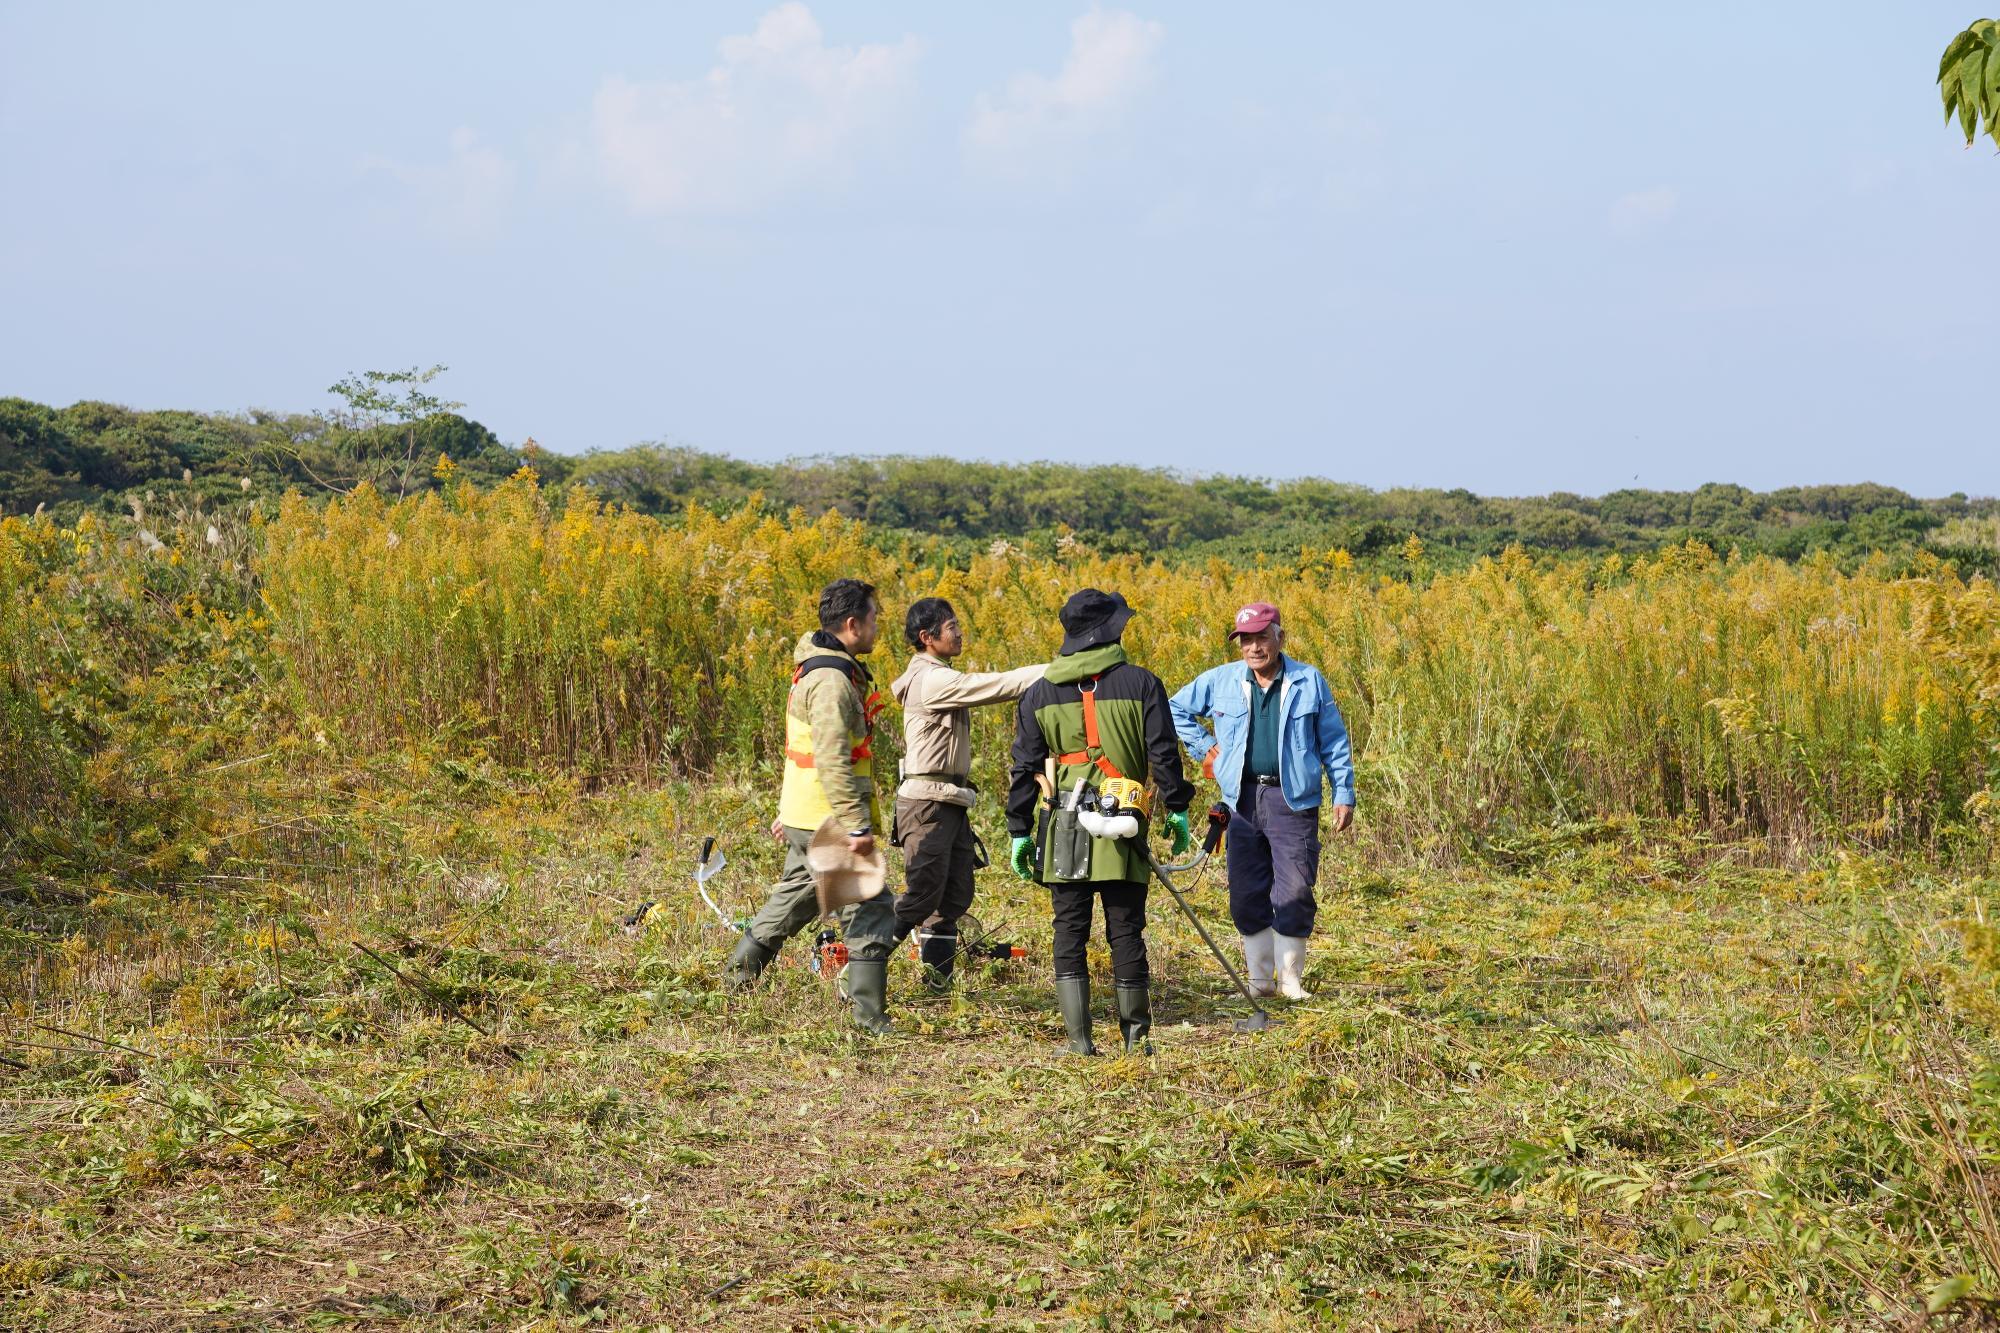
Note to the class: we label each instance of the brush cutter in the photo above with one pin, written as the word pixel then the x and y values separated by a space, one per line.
pixel 978 944
pixel 829 953
pixel 706 867
pixel 975 942
pixel 1218 819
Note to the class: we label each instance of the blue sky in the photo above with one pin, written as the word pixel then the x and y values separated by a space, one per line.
pixel 1569 247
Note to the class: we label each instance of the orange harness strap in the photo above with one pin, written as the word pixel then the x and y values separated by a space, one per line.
pixel 872 707
pixel 804 758
pixel 1093 751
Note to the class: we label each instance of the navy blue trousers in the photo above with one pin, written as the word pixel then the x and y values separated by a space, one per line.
pixel 1273 858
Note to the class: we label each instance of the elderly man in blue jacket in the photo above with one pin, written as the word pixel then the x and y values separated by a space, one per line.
pixel 1277 730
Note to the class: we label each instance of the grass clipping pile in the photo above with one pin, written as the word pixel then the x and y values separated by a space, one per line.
pixel 1607 1085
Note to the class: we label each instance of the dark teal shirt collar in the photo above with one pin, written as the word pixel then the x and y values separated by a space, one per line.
pixel 1260 758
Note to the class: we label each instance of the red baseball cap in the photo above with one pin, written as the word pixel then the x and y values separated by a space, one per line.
pixel 1254 619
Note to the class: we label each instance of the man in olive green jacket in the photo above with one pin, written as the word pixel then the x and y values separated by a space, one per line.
pixel 1097 717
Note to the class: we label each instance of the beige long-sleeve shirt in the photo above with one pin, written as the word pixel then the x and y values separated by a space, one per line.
pixel 937 722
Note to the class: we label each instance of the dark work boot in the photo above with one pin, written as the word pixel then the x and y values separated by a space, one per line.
pixel 1135 1016
pixel 1073 995
pixel 868 988
pixel 747 963
pixel 938 948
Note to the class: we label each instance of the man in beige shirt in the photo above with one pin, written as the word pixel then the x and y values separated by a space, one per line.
pixel 934 800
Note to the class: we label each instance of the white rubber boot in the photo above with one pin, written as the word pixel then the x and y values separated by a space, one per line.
pixel 1291 968
pixel 1259 958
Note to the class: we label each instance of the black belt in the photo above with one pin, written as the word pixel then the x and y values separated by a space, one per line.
pixel 1264 780
pixel 953 778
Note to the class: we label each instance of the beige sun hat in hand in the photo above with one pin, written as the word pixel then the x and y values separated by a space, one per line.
pixel 841 877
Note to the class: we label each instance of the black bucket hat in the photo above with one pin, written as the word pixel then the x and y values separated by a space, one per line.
pixel 1090 618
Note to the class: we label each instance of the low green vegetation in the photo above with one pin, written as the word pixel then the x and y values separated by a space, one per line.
pixel 97 454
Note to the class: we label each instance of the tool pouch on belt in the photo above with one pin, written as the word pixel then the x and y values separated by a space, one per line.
pixel 1065 847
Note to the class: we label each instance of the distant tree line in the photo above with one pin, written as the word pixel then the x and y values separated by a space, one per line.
pixel 91 454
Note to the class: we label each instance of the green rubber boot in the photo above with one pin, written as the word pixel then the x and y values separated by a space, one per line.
pixel 1073 996
pixel 1135 1016
pixel 867 988
pixel 747 963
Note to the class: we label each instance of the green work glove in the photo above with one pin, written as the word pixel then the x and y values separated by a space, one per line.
pixel 1178 826
pixel 1024 857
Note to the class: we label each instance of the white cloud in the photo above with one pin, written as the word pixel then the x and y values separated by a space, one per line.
pixel 1113 55
pixel 781 112
pixel 1643 210
pixel 465 194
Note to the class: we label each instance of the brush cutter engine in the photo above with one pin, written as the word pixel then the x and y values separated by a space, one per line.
pixel 829 953
pixel 1117 811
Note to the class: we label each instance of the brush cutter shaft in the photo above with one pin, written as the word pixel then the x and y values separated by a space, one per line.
pixel 1163 872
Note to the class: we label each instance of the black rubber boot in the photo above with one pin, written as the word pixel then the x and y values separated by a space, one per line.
pixel 748 961
pixel 868 988
pixel 939 952
pixel 1073 995
pixel 1135 1016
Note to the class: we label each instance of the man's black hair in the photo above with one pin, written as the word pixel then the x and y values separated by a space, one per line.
pixel 844 599
pixel 926 616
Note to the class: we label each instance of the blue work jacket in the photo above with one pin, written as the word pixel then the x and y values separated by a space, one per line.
pixel 1312 737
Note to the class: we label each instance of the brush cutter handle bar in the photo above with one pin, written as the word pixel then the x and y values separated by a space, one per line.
pixel 1195 862
pixel 1218 820
pixel 707 848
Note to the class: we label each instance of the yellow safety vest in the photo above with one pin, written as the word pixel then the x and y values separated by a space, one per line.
pixel 802 802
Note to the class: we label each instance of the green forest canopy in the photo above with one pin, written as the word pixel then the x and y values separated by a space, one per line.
pixel 92 454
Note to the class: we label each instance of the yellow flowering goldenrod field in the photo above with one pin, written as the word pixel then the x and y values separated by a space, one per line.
pixel 1786 706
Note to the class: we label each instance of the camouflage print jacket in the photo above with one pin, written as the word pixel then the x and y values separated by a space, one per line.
pixel 829 724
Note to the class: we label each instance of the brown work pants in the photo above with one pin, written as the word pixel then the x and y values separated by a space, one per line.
pixel 938 861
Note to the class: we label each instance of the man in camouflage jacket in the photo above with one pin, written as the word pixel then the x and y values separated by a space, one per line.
pixel 829 762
